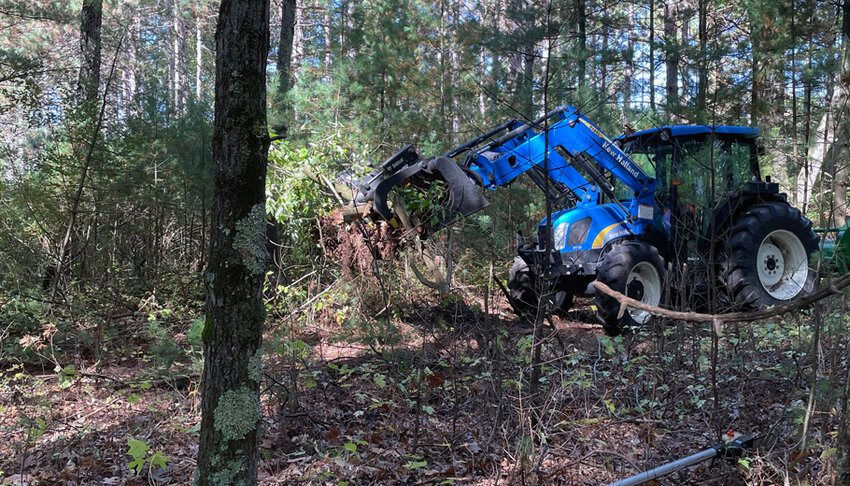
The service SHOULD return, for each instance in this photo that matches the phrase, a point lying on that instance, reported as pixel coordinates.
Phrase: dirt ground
(449, 401)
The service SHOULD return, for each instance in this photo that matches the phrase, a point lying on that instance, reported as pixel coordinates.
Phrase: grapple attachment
(462, 196)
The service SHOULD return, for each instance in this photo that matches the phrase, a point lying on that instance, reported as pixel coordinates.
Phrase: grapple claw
(463, 192)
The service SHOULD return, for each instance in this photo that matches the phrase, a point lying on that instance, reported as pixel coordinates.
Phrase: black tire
(740, 268)
(523, 288)
(615, 268)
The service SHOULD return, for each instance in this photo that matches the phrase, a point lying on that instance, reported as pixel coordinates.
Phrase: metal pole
(667, 468)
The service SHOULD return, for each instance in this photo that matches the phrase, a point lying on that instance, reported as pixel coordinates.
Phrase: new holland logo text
(615, 153)
(621, 159)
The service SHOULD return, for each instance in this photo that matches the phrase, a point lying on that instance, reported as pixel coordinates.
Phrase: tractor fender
(728, 212)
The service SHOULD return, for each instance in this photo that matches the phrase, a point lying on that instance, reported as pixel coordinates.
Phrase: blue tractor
(677, 207)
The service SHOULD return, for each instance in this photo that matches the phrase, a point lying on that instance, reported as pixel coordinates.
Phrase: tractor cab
(700, 170)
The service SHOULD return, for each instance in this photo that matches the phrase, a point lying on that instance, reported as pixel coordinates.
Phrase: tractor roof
(680, 130)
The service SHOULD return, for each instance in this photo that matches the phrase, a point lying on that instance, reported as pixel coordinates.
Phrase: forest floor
(447, 400)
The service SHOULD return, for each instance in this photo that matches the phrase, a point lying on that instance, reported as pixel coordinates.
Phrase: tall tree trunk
(515, 24)
(328, 58)
(652, 55)
(768, 92)
(298, 37)
(603, 66)
(811, 169)
(442, 123)
(756, 84)
(482, 99)
(454, 55)
(686, 13)
(88, 84)
(90, 24)
(128, 76)
(581, 52)
(284, 65)
(671, 55)
(529, 56)
(795, 159)
(199, 57)
(630, 65)
(178, 71)
(232, 335)
(182, 62)
(284, 47)
(95, 118)
(842, 135)
(702, 63)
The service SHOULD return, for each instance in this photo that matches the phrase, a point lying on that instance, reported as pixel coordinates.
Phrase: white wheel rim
(645, 274)
(782, 264)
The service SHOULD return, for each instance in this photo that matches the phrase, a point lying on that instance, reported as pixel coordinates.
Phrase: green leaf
(138, 451)
(380, 381)
(158, 460)
(350, 446)
(138, 448)
(416, 464)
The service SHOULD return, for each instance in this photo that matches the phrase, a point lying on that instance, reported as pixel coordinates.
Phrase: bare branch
(824, 292)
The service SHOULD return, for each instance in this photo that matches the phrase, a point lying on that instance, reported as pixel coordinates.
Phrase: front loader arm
(498, 157)
(583, 145)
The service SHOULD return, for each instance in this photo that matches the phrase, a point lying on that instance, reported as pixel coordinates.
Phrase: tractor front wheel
(523, 288)
(636, 270)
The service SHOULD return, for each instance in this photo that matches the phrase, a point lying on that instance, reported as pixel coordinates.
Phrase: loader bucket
(462, 195)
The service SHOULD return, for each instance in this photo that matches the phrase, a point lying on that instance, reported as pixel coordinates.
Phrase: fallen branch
(827, 291)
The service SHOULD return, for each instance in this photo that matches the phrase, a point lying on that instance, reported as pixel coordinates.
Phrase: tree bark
(232, 335)
(298, 38)
(685, 15)
(281, 113)
(199, 57)
(128, 76)
(630, 65)
(581, 52)
(652, 55)
(284, 47)
(91, 19)
(671, 55)
(811, 169)
(90, 24)
(702, 64)
(842, 136)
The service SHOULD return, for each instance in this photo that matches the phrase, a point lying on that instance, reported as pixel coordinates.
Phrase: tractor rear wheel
(523, 288)
(636, 270)
(767, 257)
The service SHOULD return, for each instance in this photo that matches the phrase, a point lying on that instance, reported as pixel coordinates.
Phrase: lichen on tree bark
(232, 335)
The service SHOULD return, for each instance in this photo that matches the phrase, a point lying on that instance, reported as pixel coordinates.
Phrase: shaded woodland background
(370, 376)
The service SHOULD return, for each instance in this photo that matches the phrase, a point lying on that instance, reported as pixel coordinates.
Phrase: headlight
(560, 239)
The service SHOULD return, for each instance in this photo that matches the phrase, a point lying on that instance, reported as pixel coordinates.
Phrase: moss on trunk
(232, 333)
